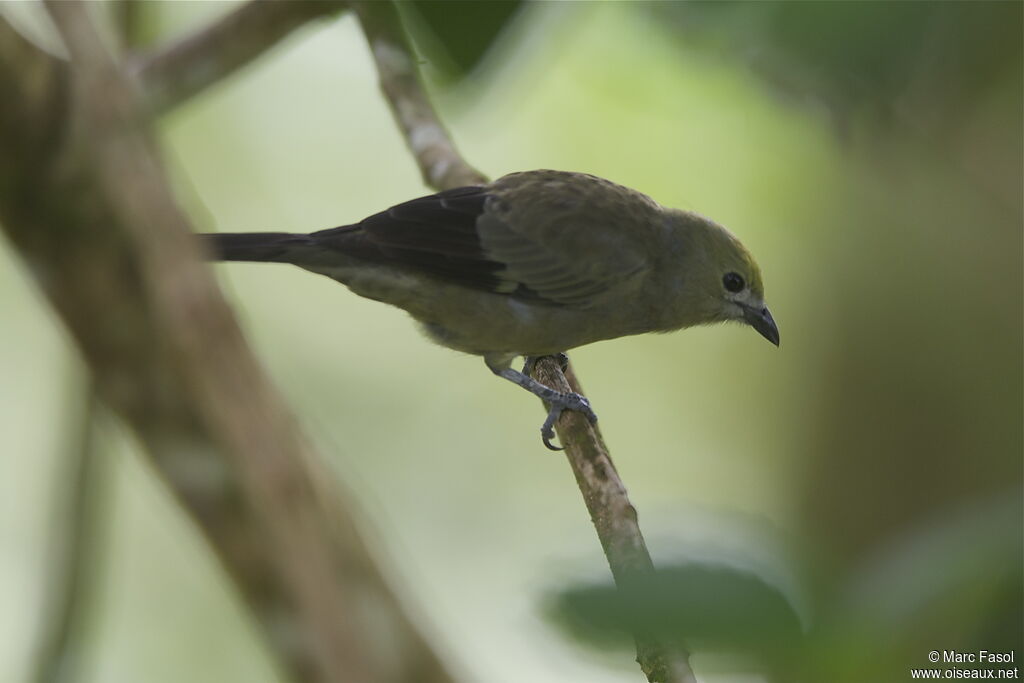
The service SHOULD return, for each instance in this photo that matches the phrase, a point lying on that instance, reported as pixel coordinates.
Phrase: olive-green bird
(532, 264)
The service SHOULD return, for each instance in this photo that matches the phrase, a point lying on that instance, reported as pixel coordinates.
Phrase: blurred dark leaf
(705, 607)
(953, 582)
(891, 58)
(454, 35)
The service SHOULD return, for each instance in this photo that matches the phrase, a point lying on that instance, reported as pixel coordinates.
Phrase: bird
(532, 264)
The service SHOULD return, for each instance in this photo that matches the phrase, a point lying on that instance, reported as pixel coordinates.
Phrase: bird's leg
(556, 400)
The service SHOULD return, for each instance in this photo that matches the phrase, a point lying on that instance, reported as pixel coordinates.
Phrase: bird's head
(730, 281)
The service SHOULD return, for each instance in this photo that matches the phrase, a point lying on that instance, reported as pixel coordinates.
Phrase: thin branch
(615, 519)
(176, 72)
(440, 163)
(442, 167)
(84, 200)
(73, 539)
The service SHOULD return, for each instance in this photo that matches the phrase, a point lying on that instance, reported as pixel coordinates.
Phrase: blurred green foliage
(878, 57)
(455, 35)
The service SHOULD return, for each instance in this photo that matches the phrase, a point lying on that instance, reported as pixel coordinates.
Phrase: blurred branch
(85, 202)
(128, 19)
(604, 493)
(440, 163)
(33, 85)
(73, 538)
(614, 517)
(176, 72)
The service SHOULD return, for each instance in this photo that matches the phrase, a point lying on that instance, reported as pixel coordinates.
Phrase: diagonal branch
(614, 518)
(172, 74)
(604, 493)
(85, 201)
(440, 163)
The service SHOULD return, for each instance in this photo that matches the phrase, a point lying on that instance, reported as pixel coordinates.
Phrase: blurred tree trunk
(84, 200)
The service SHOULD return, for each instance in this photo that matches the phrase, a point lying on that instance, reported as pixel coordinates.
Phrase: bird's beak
(760, 318)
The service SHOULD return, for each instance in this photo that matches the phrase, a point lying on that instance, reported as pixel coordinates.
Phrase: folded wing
(471, 236)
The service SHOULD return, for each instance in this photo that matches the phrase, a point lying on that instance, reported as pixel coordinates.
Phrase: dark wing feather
(435, 235)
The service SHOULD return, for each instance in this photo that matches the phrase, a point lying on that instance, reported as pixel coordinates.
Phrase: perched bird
(532, 264)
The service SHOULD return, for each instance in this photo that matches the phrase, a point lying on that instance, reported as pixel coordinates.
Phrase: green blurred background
(869, 471)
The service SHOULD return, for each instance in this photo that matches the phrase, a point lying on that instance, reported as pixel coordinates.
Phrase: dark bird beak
(761, 320)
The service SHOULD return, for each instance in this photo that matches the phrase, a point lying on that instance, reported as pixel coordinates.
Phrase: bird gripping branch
(532, 264)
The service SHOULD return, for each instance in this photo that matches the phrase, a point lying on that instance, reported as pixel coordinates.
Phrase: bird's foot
(558, 403)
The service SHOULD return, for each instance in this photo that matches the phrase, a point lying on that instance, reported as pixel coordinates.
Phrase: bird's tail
(279, 247)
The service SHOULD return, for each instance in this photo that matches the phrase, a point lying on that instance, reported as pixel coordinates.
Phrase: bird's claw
(571, 401)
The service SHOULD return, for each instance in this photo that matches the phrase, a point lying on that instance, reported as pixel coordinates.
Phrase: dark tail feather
(279, 247)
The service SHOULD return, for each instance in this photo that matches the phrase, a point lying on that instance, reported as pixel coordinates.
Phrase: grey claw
(547, 430)
(566, 402)
(546, 438)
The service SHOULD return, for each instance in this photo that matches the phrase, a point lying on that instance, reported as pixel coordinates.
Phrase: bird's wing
(435, 235)
(468, 237)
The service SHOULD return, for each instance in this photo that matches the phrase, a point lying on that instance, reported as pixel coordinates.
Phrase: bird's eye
(733, 282)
